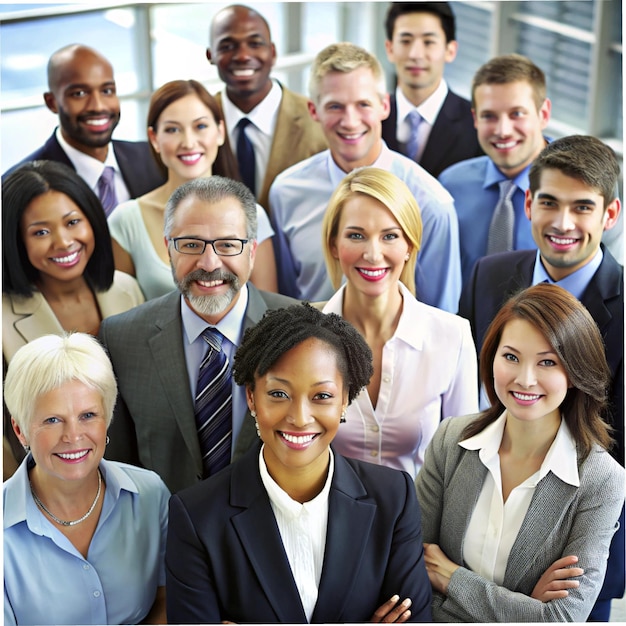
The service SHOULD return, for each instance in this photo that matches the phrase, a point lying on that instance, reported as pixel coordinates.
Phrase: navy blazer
(452, 138)
(225, 558)
(139, 170)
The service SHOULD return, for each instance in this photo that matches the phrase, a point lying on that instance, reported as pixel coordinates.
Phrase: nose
(416, 51)
(96, 101)
(351, 118)
(208, 260)
(504, 126)
(62, 238)
(372, 251)
(526, 376)
(188, 138)
(300, 414)
(242, 53)
(563, 221)
(72, 431)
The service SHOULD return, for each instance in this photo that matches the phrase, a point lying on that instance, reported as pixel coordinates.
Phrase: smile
(73, 456)
(376, 274)
(210, 283)
(562, 241)
(247, 73)
(351, 136)
(298, 441)
(190, 159)
(502, 145)
(526, 397)
(66, 260)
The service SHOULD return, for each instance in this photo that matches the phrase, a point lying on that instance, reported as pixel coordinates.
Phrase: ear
(611, 214)
(544, 112)
(386, 106)
(528, 200)
(250, 398)
(452, 48)
(152, 139)
(273, 48)
(389, 51)
(221, 133)
(474, 118)
(19, 433)
(50, 100)
(313, 110)
(209, 56)
(333, 248)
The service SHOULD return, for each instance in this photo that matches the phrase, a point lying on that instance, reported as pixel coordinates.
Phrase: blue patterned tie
(500, 237)
(412, 145)
(245, 155)
(213, 405)
(106, 190)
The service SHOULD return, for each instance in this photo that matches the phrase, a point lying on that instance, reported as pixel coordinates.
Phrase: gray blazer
(153, 424)
(560, 521)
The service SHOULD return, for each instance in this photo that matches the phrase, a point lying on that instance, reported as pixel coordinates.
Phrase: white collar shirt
(260, 132)
(495, 524)
(303, 532)
(90, 169)
(428, 110)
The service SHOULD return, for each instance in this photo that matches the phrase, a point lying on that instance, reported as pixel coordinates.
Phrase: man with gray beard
(158, 348)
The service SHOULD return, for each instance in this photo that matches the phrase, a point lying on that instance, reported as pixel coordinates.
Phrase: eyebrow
(86, 86)
(197, 119)
(287, 382)
(48, 221)
(361, 228)
(512, 349)
(549, 196)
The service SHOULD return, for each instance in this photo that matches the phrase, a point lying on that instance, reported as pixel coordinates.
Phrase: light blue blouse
(47, 581)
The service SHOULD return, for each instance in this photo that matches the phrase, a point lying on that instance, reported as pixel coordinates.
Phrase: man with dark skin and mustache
(156, 349)
(82, 93)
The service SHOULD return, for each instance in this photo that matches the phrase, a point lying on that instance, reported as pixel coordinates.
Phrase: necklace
(42, 506)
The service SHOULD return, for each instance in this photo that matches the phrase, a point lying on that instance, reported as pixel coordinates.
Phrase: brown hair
(511, 68)
(574, 336)
(225, 163)
(582, 157)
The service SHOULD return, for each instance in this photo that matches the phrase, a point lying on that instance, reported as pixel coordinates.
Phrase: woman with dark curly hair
(293, 532)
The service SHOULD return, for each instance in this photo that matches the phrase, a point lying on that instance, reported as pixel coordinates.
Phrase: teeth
(72, 456)
(189, 158)
(353, 136)
(243, 73)
(525, 396)
(66, 259)
(505, 146)
(372, 273)
(99, 122)
(561, 241)
(300, 440)
(211, 283)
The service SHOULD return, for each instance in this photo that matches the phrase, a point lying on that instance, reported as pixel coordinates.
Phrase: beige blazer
(297, 136)
(25, 319)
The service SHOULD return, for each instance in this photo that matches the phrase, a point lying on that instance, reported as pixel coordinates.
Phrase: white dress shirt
(303, 532)
(90, 169)
(495, 524)
(260, 132)
(428, 110)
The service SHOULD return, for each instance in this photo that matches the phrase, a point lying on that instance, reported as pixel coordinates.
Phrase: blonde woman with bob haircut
(424, 358)
(84, 538)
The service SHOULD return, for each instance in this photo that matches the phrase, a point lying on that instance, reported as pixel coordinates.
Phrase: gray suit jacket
(560, 521)
(153, 424)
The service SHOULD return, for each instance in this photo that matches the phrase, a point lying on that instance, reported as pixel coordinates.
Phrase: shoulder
(138, 317)
(275, 300)
(141, 148)
(599, 470)
(450, 430)
(470, 170)
(502, 263)
(146, 482)
(124, 212)
(293, 100)
(299, 170)
(126, 284)
(423, 184)
(458, 102)
(379, 482)
(436, 320)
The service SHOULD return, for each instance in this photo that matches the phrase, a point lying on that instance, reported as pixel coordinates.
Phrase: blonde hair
(51, 361)
(344, 58)
(390, 191)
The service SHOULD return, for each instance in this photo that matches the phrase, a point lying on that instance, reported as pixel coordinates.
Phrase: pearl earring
(342, 419)
(407, 257)
(256, 424)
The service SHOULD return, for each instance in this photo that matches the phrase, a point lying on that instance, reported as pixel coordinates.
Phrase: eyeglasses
(197, 246)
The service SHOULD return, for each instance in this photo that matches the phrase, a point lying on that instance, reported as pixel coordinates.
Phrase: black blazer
(137, 165)
(496, 277)
(225, 559)
(452, 138)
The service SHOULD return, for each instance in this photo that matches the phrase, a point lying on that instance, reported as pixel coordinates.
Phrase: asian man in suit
(158, 349)
(427, 121)
(82, 92)
(279, 130)
(570, 203)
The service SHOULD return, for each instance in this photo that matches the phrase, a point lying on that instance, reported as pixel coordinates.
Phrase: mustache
(203, 276)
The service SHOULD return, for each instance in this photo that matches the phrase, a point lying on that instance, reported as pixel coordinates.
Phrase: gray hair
(213, 189)
(51, 361)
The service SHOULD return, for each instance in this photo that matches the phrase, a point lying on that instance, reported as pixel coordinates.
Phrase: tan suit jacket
(25, 319)
(297, 136)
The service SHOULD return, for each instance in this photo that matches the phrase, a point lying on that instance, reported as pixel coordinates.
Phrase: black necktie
(245, 155)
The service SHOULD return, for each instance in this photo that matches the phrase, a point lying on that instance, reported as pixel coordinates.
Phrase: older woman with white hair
(84, 538)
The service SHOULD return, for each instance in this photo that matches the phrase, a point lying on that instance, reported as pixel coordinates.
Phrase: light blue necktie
(500, 238)
(412, 145)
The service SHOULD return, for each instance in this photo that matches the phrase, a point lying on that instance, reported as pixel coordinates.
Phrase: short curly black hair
(281, 330)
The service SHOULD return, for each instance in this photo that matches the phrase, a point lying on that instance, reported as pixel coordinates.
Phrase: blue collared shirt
(299, 197)
(577, 282)
(47, 581)
(474, 185)
(231, 326)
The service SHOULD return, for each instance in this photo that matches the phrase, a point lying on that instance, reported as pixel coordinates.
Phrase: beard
(74, 130)
(208, 305)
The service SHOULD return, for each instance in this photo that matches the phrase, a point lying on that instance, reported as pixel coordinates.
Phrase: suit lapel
(605, 285)
(258, 532)
(166, 349)
(348, 517)
(38, 319)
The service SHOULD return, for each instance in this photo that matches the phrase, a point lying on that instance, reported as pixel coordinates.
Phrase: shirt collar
(283, 502)
(264, 114)
(429, 109)
(561, 458)
(336, 174)
(88, 168)
(576, 282)
(230, 325)
(493, 176)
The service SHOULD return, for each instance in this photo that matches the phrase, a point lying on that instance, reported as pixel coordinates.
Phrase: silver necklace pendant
(42, 506)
